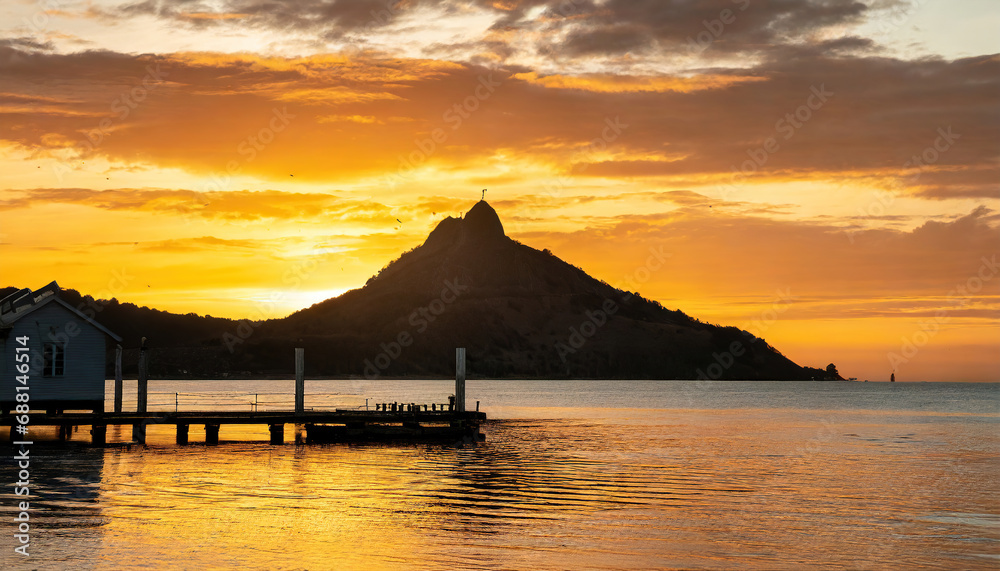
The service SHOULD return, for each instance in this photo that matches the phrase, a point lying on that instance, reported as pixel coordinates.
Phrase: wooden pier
(388, 422)
(410, 422)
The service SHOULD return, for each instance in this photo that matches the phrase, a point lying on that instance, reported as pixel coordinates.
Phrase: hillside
(518, 311)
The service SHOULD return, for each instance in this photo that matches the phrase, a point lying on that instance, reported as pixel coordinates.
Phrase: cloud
(240, 205)
(711, 250)
(337, 117)
(707, 29)
(519, 30)
(209, 244)
(26, 43)
(625, 83)
(317, 16)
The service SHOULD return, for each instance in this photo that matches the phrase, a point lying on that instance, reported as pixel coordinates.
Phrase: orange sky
(229, 160)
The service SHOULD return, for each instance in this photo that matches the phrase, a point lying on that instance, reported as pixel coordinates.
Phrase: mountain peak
(480, 225)
(482, 222)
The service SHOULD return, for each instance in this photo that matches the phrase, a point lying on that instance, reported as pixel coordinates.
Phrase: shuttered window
(54, 355)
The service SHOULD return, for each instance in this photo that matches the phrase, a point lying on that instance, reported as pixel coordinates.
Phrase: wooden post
(460, 379)
(139, 432)
(118, 378)
(143, 382)
(99, 434)
(277, 433)
(211, 434)
(182, 433)
(300, 379)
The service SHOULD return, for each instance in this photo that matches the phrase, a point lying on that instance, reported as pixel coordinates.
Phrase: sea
(573, 475)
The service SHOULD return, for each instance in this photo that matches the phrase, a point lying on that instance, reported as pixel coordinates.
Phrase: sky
(823, 173)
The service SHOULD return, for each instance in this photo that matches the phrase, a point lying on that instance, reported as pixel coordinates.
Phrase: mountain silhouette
(518, 311)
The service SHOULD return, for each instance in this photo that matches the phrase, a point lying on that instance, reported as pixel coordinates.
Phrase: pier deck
(349, 425)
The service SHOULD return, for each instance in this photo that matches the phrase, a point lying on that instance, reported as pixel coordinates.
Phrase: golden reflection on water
(595, 489)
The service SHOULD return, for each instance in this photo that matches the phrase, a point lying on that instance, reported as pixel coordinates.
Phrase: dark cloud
(699, 27)
(584, 27)
(604, 40)
(324, 17)
(926, 127)
(27, 44)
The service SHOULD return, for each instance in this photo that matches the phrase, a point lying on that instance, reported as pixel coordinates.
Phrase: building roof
(23, 302)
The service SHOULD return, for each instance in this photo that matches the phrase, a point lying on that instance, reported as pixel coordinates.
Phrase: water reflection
(65, 502)
(563, 488)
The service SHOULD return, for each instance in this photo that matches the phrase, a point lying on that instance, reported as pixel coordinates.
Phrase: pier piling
(182, 433)
(118, 378)
(143, 381)
(460, 379)
(99, 434)
(300, 379)
(139, 432)
(277, 433)
(211, 434)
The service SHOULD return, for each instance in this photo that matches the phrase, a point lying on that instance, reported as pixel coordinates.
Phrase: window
(54, 358)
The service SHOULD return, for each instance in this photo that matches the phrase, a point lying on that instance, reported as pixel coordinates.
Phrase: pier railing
(146, 401)
(237, 401)
(241, 401)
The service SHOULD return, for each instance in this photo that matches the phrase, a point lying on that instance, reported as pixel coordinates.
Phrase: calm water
(574, 475)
